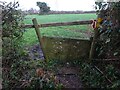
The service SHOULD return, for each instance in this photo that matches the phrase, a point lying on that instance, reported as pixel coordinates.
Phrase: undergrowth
(92, 78)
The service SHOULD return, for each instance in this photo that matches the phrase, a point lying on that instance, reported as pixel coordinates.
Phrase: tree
(32, 11)
(44, 9)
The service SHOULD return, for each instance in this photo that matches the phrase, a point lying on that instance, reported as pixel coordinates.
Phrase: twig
(117, 59)
(103, 74)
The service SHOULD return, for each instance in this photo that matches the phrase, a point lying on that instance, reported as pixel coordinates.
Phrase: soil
(35, 52)
(68, 76)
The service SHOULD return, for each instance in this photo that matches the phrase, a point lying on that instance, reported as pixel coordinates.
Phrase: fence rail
(37, 26)
(59, 24)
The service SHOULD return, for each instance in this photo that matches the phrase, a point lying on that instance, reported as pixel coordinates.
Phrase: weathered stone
(65, 48)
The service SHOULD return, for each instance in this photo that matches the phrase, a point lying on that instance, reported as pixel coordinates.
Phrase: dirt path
(66, 75)
(69, 77)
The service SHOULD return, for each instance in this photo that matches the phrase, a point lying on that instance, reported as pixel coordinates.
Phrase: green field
(76, 31)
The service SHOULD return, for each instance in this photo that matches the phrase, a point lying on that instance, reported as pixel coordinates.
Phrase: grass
(61, 31)
(58, 18)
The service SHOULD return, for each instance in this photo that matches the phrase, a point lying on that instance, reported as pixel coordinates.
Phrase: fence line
(64, 24)
(59, 24)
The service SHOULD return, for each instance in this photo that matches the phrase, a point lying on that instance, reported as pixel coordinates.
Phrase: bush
(11, 48)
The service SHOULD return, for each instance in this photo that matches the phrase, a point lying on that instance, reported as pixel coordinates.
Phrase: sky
(60, 5)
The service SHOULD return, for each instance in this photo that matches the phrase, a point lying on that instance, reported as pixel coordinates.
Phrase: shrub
(11, 48)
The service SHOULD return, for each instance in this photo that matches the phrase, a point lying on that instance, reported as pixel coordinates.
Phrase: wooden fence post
(92, 50)
(38, 35)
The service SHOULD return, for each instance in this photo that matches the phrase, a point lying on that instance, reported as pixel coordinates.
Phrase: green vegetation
(75, 31)
(59, 18)
(11, 46)
(19, 70)
(44, 9)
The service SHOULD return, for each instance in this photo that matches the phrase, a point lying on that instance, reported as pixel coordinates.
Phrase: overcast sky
(65, 5)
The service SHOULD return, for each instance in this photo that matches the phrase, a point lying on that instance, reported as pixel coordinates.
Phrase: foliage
(18, 71)
(12, 32)
(44, 9)
(92, 78)
(11, 37)
(109, 30)
(37, 74)
(106, 75)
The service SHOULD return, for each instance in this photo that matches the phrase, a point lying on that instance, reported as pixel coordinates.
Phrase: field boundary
(59, 24)
(37, 26)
